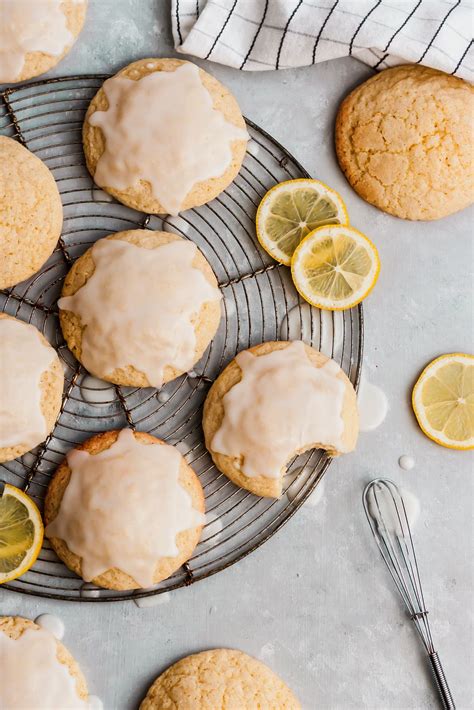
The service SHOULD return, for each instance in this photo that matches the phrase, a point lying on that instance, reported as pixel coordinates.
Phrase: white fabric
(277, 34)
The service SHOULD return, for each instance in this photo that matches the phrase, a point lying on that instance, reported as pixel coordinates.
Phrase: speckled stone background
(315, 602)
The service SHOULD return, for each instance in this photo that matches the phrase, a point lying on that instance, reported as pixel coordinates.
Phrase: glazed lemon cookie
(139, 308)
(403, 140)
(163, 136)
(272, 402)
(35, 36)
(31, 387)
(31, 213)
(124, 510)
(218, 679)
(33, 659)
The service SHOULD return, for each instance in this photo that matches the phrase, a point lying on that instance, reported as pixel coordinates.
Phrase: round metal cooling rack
(260, 303)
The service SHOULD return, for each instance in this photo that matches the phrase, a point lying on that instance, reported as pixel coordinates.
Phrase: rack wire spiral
(260, 303)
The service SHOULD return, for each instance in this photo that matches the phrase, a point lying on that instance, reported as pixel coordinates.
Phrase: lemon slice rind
(419, 408)
(358, 292)
(33, 552)
(264, 210)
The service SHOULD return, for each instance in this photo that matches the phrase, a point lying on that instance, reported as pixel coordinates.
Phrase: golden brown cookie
(141, 197)
(114, 578)
(14, 626)
(205, 324)
(404, 142)
(31, 213)
(51, 384)
(213, 415)
(39, 62)
(221, 679)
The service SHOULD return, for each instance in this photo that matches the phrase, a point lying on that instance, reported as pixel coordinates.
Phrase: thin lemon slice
(21, 533)
(443, 401)
(292, 209)
(335, 267)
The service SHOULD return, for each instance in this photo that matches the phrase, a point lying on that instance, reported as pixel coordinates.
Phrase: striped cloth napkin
(277, 34)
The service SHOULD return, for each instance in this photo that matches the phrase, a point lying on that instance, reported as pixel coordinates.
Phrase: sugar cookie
(124, 510)
(218, 679)
(271, 403)
(404, 142)
(163, 136)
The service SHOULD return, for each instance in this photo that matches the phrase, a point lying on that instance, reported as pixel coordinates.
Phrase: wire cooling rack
(260, 303)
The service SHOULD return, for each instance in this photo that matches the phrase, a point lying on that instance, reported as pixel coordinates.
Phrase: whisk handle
(440, 678)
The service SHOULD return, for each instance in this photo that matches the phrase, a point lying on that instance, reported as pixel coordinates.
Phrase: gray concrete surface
(315, 601)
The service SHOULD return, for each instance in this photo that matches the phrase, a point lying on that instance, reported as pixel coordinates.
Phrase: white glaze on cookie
(32, 676)
(24, 358)
(163, 129)
(30, 26)
(148, 324)
(124, 507)
(281, 405)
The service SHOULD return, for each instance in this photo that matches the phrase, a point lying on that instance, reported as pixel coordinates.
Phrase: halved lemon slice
(443, 400)
(21, 533)
(335, 267)
(292, 209)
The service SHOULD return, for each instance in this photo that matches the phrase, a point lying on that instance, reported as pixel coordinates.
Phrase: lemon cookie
(271, 403)
(403, 140)
(32, 661)
(124, 510)
(218, 679)
(35, 36)
(31, 213)
(163, 136)
(140, 307)
(31, 387)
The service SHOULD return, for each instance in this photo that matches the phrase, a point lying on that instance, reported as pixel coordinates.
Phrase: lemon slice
(335, 267)
(443, 401)
(21, 533)
(292, 209)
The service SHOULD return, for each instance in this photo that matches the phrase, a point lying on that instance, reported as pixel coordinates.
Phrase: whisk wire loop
(388, 520)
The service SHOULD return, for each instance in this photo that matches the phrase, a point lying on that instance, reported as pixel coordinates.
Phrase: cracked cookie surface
(216, 680)
(404, 142)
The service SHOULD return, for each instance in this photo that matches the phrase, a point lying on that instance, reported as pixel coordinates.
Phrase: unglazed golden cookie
(141, 197)
(39, 62)
(205, 324)
(15, 626)
(31, 213)
(404, 142)
(221, 679)
(213, 416)
(114, 578)
(51, 384)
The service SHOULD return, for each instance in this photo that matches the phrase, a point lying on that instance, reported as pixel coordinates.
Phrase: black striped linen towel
(255, 35)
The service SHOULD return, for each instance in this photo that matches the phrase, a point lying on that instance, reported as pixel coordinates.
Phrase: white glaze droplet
(298, 323)
(176, 225)
(212, 530)
(230, 306)
(406, 462)
(155, 600)
(372, 404)
(51, 623)
(95, 703)
(163, 396)
(101, 196)
(267, 652)
(252, 147)
(316, 496)
(95, 391)
(382, 507)
(89, 590)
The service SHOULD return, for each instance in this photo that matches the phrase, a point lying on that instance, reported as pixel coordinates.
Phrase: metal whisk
(388, 520)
